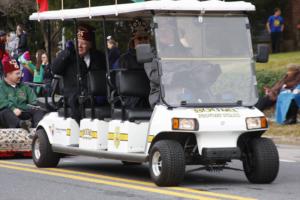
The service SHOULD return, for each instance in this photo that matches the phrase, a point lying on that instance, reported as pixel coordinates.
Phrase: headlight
(256, 122)
(185, 124)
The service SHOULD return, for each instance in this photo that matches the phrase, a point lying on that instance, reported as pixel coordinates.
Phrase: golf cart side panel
(60, 130)
(93, 134)
(127, 137)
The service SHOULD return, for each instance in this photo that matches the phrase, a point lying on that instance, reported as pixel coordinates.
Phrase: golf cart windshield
(205, 60)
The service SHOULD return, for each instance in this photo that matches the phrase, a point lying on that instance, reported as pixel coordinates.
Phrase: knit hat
(9, 65)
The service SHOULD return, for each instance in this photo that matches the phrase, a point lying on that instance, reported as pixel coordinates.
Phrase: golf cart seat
(138, 114)
(133, 83)
(97, 87)
(57, 86)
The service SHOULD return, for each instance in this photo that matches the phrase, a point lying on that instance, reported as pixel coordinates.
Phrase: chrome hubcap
(37, 152)
(156, 163)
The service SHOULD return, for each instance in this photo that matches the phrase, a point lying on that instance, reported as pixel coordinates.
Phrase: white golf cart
(205, 112)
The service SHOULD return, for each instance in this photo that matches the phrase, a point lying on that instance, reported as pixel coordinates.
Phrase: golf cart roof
(144, 9)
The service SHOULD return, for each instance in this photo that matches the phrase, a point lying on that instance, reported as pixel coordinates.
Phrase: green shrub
(267, 78)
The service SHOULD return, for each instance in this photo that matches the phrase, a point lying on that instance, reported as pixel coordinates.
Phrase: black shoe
(25, 124)
(290, 121)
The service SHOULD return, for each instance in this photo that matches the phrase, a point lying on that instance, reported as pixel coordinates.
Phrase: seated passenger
(140, 35)
(289, 81)
(288, 100)
(287, 105)
(66, 65)
(14, 99)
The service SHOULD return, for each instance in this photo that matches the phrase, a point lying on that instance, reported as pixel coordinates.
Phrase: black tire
(172, 167)
(261, 161)
(42, 155)
(126, 163)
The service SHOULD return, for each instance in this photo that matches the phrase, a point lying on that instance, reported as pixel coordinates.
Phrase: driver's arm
(151, 70)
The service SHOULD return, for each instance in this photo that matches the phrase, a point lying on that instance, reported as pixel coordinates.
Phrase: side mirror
(262, 53)
(144, 53)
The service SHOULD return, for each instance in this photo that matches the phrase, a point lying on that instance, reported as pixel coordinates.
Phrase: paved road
(92, 179)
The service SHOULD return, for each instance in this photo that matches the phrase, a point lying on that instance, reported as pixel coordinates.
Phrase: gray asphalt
(21, 185)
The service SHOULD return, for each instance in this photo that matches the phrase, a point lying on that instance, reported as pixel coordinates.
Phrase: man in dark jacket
(14, 99)
(140, 35)
(22, 46)
(65, 65)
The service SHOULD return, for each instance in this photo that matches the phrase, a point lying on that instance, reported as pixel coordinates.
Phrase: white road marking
(289, 161)
(68, 161)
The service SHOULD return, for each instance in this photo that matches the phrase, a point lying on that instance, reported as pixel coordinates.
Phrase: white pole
(62, 8)
(63, 39)
(90, 16)
(38, 10)
(116, 3)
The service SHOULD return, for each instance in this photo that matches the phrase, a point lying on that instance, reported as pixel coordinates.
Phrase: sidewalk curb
(284, 139)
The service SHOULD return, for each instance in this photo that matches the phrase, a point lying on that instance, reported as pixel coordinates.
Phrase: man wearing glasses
(15, 99)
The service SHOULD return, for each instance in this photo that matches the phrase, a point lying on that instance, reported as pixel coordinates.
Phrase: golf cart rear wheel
(261, 163)
(42, 153)
(167, 163)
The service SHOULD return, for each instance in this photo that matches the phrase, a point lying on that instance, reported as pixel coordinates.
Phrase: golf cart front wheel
(42, 153)
(167, 163)
(261, 163)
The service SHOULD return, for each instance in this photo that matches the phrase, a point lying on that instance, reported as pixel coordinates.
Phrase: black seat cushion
(138, 114)
(132, 83)
(97, 83)
(100, 112)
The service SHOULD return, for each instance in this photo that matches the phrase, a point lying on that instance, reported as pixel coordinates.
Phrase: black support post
(49, 40)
